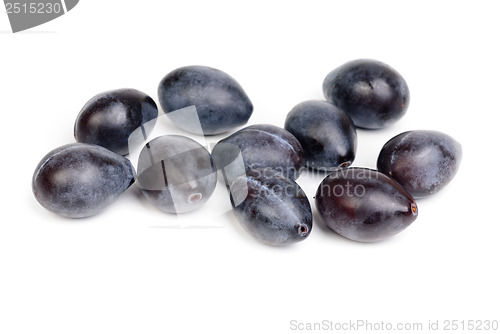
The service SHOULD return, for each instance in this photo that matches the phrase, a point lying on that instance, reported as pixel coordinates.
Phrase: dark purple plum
(176, 174)
(325, 132)
(109, 119)
(80, 180)
(256, 147)
(271, 208)
(422, 161)
(364, 205)
(373, 94)
(204, 100)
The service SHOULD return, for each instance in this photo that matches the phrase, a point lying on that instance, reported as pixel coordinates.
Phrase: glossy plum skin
(109, 119)
(364, 205)
(80, 180)
(373, 94)
(256, 147)
(422, 161)
(271, 208)
(325, 132)
(176, 174)
(220, 101)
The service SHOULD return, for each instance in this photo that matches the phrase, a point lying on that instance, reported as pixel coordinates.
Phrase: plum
(372, 93)
(271, 208)
(79, 180)
(109, 119)
(325, 132)
(256, 147)
(176, 174)
(364, 205)
(204, 100)
(422, 161)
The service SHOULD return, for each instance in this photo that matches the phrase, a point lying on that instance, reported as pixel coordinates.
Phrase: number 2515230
(33, 8)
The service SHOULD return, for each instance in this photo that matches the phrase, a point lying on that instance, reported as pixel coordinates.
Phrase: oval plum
(372, 93)
(325, 132)
(364, 205)
(422, 161)
(271, 207)
(220, 103)
(176, 174)
(109, 119)
(80, 180)
(256, 147)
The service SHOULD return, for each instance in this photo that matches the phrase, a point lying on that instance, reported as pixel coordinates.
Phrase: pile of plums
(259, 163)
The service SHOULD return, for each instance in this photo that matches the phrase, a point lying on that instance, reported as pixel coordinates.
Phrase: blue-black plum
(271, 207)
(176, 174)
(109, 119)
(372, 93)
(364, 205)
(256, 147)
(220, 102)
(325, 132)
(80, 180)
(422, 161)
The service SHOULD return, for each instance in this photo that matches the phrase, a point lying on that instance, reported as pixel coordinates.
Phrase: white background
(134, 269)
